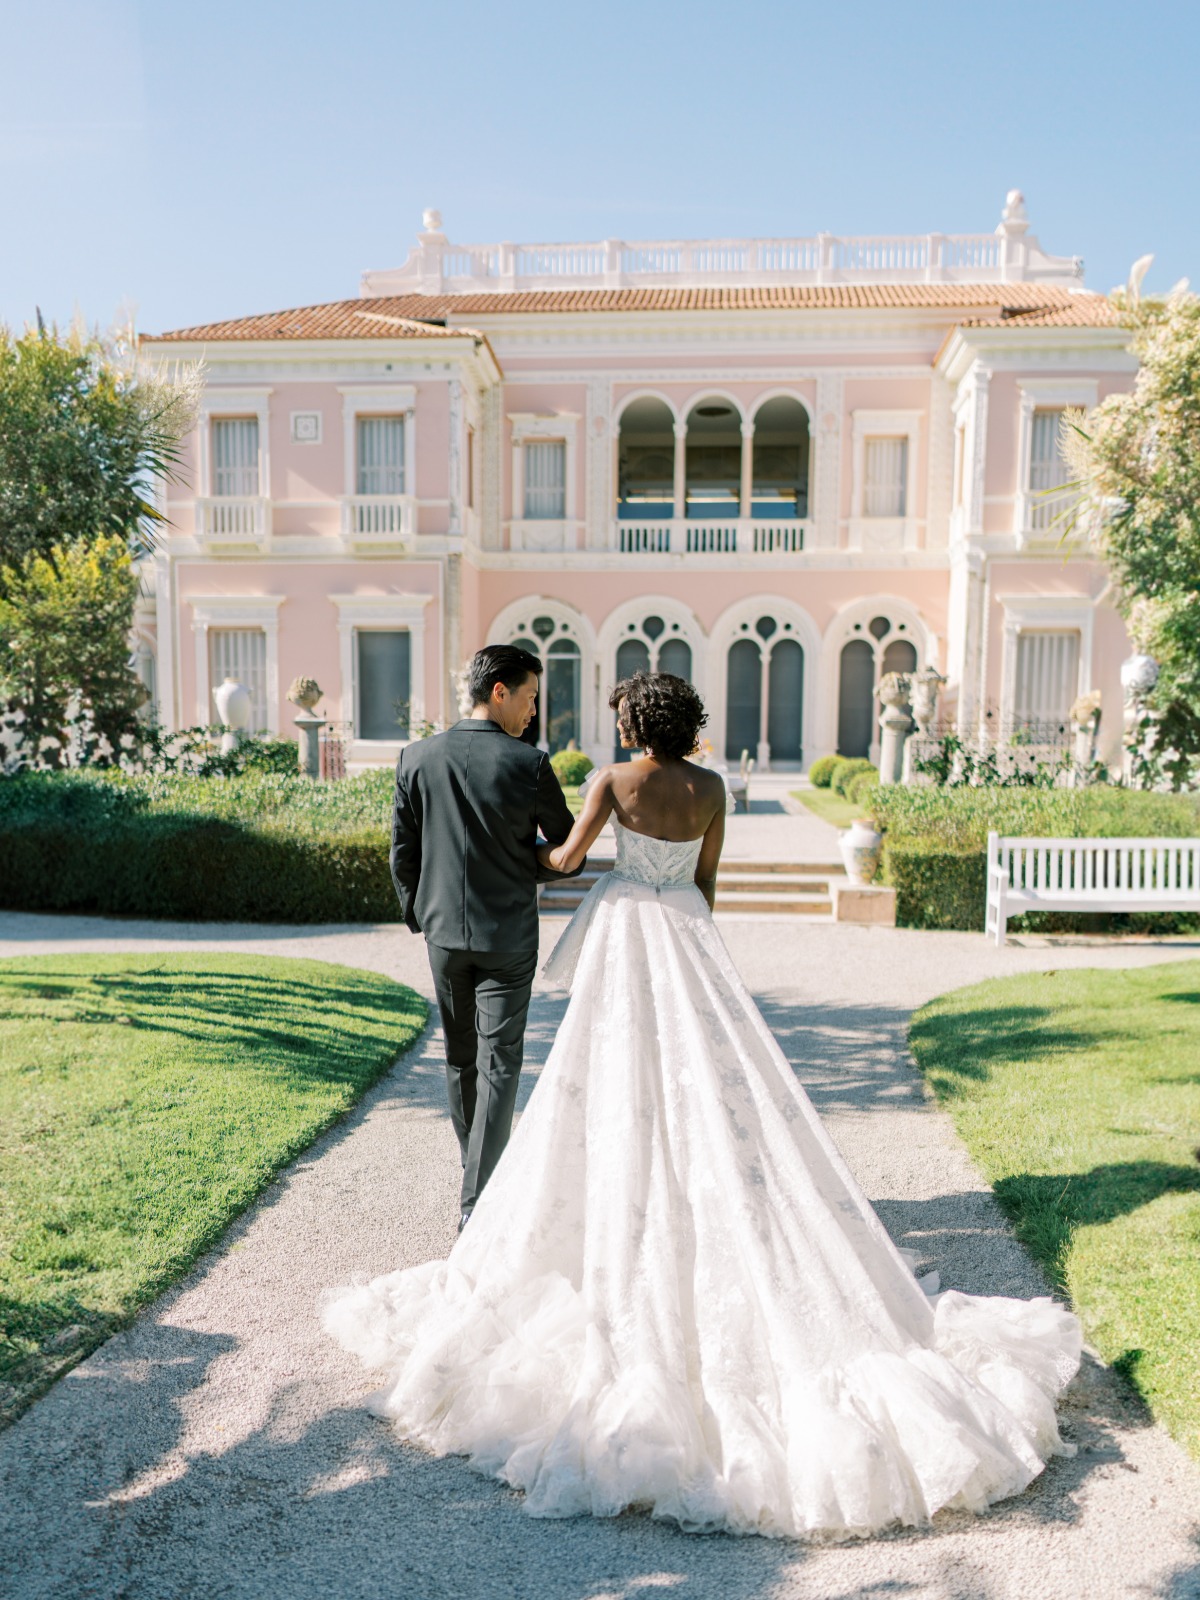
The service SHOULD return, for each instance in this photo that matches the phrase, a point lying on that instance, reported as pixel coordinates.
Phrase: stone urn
(860, 845)
(925, 686)
(233, 707)
(305, 692)
(1139, 674)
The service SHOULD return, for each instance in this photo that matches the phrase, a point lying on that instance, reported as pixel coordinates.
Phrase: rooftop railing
(1009, 255)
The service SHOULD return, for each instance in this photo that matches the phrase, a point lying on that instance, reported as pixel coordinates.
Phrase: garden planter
(860, 845)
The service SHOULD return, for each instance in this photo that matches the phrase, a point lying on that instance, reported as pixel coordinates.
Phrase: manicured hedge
(226, 850)
(820, 774)
(935, 847)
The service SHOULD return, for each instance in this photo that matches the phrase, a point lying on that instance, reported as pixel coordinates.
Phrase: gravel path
(215, 1450)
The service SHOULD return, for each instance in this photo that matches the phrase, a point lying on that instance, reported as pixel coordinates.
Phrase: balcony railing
(1010, 254)
(378, 521)
(234, 519)
(704, 538)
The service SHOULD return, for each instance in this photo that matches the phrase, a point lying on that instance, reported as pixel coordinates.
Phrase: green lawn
(829, 806)
(144, 1102)
(1078, 1093)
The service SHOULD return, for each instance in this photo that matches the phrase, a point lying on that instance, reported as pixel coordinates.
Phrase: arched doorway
(650, 644)
(558, 721)
(646, 461)
(779, 465)
(713, 462)
(764, 692)
(875, 648)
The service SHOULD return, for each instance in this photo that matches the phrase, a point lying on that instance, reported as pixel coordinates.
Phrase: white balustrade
(700, 537)
(1010, 254)
(233, 519)
(378, 518)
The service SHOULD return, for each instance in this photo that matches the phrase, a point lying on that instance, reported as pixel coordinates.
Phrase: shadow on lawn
(964, 1046)
(256, 1015)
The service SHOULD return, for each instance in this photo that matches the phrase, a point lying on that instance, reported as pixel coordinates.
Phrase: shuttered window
(1047, 469)
(384, 682)
(546, 479)
(235, 456)
(1047, 677)
(380, 455)
(885, 477)
(240, 654)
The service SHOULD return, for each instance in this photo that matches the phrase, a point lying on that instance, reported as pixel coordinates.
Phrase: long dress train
(673, 1295)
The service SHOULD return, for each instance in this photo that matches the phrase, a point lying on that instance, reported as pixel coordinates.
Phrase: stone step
(801, 905)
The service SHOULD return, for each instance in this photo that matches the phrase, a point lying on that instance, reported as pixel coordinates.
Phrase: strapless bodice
(660, 863)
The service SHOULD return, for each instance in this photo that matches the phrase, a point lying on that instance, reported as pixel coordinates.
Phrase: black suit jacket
(468, 807)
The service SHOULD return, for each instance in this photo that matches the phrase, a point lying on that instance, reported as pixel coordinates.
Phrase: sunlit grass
(144, 1102)
(1078, 1093)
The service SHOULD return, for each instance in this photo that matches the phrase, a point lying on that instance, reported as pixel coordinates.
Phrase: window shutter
(885, 477)
(1047, 677)
(241, 654)
(546, 479)
(380, 455)
(235, 456)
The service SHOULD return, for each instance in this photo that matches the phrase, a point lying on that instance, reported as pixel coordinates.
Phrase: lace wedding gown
(672, 1293)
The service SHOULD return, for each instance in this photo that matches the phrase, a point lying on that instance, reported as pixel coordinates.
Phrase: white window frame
(400, 613)
(544, 533)
(1041, 394)
(235, 611)
(220, 403)
(367, 401)
(1044, 614)
(884, 533)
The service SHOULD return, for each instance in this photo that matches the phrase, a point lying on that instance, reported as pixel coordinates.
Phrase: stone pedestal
(895, 725)
(872, 903)
(310, 743)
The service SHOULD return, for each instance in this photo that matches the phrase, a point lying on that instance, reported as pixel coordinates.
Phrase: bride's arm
(710, 855)
(597, 808)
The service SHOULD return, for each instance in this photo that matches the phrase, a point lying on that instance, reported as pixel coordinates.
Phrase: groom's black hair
(499, 663)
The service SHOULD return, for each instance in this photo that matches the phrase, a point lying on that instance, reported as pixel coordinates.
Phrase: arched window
(646, 461)
(558, 719)
(874, 649)
(713, 475)
(764, 691)
(650, 644)
(779, 469)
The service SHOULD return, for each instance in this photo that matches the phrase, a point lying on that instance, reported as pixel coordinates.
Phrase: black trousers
(483, 997)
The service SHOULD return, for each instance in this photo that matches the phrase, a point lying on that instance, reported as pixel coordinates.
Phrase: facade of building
(778, 467)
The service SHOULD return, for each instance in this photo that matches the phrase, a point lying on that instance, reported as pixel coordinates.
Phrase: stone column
(894, 726)
(746, 495)
(310, 726)
(679, 510)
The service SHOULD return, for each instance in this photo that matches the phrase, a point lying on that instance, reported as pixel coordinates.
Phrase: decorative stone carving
(924, 687)
(305, 692)
(894, 725)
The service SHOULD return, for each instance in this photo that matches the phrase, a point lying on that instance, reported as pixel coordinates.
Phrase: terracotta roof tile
(416, 316)
(1088, 311)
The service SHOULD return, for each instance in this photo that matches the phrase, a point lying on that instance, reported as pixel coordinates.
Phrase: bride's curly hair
(659, 712)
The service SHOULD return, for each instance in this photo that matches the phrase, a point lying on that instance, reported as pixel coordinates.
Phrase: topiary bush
(861, 786)
(571, 767)
(821, 771)
(848, 768)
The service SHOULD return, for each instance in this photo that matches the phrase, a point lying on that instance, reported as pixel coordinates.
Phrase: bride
(672, 1294)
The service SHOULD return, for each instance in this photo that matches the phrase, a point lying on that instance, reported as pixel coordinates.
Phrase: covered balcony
(714, 484)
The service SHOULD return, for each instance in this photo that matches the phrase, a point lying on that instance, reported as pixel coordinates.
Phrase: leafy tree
(1136, 459)
(84, 430)
(65, 620)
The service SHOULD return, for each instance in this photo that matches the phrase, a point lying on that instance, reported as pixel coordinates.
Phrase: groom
(469, 804)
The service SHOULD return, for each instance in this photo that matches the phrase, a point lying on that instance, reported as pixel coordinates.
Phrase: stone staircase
(802, 888)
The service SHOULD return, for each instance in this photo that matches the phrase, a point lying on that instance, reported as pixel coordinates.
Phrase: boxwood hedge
(935, 846)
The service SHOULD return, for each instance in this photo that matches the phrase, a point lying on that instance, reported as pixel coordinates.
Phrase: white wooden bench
(1089, 875)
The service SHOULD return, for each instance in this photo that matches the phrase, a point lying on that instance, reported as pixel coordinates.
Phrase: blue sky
(210, 160)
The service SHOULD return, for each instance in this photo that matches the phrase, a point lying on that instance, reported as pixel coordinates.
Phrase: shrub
(849, 767)
(821, 771)
(935, 846)
(571, 767)
(861, 785)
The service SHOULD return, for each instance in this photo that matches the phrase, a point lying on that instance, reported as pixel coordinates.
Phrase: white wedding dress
(672, 1293)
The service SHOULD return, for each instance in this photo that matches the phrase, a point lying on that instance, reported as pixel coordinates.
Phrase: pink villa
(780, 467)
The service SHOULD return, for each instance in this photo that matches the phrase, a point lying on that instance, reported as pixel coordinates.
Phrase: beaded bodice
(661, 863)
